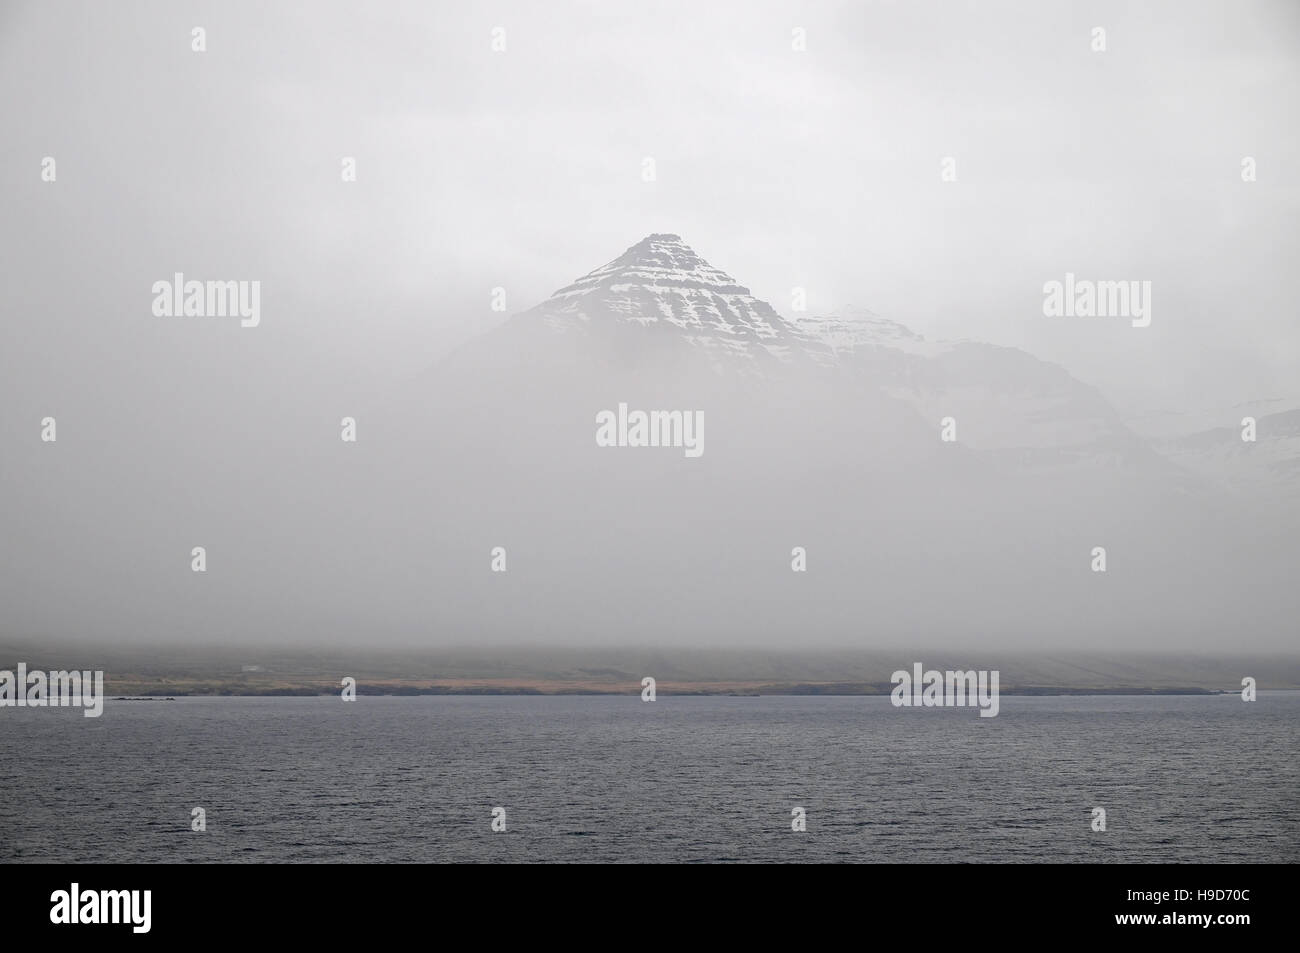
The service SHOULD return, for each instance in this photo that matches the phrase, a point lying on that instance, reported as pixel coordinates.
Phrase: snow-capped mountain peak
(659, 261)
(662, 283)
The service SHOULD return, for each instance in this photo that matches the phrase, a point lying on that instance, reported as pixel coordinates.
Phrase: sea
(682, 779)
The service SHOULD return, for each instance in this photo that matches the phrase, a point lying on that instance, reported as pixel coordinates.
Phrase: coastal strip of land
(169, 671)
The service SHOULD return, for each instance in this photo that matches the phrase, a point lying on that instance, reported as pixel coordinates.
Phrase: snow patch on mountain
(851, 330)
(1002, 398)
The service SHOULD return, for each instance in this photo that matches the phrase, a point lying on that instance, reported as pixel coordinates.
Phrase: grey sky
(817, 169)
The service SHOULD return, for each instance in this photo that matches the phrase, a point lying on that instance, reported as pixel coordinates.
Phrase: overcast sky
(522, 169)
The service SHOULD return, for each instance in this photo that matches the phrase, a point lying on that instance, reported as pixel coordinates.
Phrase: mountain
(820, 438)
(661, 296)
(1208, 442)
(821, 433)
(1006, 403)
(660, 286)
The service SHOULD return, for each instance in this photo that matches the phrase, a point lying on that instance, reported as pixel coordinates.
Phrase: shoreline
(561, 691)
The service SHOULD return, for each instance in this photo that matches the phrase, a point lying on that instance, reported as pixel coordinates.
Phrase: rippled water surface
(1207, 778)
